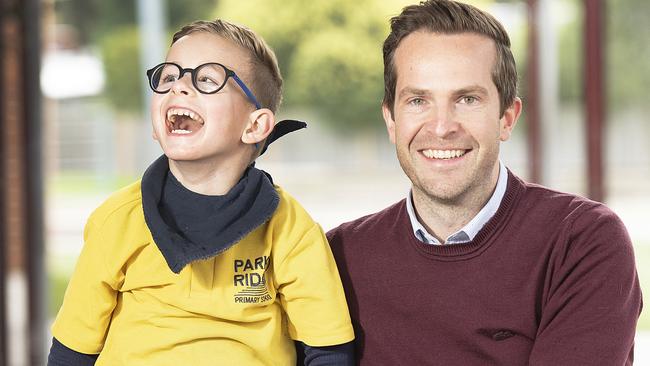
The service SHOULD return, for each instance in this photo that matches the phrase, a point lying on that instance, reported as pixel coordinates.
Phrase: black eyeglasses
(207, 78)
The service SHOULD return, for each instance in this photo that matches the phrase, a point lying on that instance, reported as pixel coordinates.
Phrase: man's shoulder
(557, 202)
(554, 208)
(371, 223)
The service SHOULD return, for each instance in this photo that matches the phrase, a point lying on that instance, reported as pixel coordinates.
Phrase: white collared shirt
(469, 231)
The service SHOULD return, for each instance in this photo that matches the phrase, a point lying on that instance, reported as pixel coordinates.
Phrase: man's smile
(443, 154)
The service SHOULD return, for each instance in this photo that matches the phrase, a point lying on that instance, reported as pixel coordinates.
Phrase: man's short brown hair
(266, 80)
(451, 17)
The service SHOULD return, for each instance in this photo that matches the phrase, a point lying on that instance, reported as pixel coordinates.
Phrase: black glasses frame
(181, 72)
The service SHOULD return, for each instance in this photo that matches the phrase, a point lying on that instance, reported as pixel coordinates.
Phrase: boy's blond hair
(265, 77)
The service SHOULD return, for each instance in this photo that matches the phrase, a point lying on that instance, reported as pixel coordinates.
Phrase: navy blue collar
(188, 226)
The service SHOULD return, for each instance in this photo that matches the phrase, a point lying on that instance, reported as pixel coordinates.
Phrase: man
(476, 266)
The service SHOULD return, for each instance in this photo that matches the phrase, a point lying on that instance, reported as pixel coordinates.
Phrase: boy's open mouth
(181, 121)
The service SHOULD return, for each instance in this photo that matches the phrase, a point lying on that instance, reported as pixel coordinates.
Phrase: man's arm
(592, 300)
(60, 355)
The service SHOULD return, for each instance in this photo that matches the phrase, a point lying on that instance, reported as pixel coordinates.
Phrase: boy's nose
(183, 85)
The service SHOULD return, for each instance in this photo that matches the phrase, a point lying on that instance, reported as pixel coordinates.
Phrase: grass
(642, 253)
(79, 185)
(83, 183)
(58, 282)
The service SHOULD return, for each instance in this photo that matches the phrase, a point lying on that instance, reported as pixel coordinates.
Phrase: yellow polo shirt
(243, 307)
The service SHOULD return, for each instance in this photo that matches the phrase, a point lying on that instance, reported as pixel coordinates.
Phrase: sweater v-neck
(483, 239)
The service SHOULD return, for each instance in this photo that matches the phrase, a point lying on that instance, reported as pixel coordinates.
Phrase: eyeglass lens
(208, 78)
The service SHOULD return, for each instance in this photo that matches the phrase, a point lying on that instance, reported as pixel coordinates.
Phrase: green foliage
(628, 37)
(642, 254)
(570, 63)
(57, 282)
(343, 82)
(329, 53)
(112, 25)
(120, 50)
(627, 70)
(95, 18)
(180, 13)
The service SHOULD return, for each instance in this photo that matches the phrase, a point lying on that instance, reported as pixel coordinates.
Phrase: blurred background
(75, 124)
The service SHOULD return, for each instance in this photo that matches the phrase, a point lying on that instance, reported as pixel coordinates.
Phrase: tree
(626, 54)
(329, 53)
(113, 26)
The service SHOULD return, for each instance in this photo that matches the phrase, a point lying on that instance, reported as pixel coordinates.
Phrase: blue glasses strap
(249, 94)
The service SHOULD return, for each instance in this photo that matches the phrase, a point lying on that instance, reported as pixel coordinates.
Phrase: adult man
(475, 266)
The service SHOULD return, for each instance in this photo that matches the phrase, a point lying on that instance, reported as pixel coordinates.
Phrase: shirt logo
(250, 280)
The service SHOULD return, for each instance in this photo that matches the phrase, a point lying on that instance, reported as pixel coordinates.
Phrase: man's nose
(442, 122)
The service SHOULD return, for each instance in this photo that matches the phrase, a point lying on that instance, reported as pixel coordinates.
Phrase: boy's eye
(169, 78)
(207, 80)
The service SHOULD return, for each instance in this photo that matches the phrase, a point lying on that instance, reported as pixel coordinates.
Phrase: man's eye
(469, 100)
(416, 101)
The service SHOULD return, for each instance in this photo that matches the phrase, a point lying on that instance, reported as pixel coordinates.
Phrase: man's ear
(390, 122)
(509, 119)
(260, 125)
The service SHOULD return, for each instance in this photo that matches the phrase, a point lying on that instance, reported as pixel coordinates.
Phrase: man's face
(191, 126)
(446, 124)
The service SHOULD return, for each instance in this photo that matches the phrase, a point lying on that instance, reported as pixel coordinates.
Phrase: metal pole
(151, 23)
(14, 183)
(532, 96)
(3, 257)
(31, 29)
(594, 95)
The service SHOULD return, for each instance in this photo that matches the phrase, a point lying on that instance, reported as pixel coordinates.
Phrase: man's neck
(207, 177)
(443, 217)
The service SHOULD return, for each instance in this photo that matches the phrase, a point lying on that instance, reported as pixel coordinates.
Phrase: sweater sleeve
(60, 355)
(592, 299)
(339, 355)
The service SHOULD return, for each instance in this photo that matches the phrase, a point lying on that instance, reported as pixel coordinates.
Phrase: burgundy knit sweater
(549, 280)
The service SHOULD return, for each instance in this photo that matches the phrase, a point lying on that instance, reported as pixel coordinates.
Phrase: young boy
(204, 261)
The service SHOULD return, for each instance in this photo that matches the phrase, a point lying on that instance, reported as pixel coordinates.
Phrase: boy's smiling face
(191, 126)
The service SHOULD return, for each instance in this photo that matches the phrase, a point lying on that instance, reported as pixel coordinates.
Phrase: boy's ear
(259, 127)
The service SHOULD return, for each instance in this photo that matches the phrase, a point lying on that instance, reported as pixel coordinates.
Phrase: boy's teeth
(443, 154)
(173, 112)
(181, 132)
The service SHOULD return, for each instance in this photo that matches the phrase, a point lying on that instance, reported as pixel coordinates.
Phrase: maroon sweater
(549, 280)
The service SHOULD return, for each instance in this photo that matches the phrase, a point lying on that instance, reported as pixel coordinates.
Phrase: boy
(204, 261)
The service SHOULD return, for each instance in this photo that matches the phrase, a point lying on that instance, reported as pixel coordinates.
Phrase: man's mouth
(181, 121)
(443, 154)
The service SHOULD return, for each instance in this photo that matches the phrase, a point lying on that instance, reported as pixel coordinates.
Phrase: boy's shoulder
(288, 205)
(120, 203)
(290, 215)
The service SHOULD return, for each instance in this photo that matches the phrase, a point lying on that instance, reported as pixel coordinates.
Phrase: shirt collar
(469, 231)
